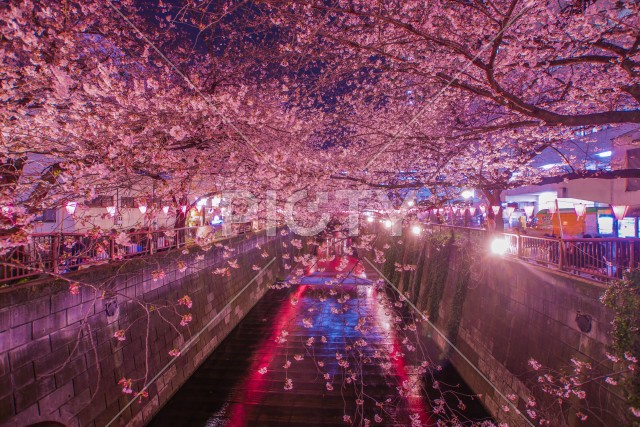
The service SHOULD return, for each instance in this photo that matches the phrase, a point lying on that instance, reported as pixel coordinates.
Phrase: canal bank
(494, 315)
(329, 351)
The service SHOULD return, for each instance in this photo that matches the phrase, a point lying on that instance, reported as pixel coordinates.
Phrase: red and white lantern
(71, 207)
(620, 211)
(528, 210)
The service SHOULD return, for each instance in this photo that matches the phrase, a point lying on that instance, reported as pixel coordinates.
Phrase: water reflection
(335, 349)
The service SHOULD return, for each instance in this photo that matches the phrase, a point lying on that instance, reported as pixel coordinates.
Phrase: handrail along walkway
(600, 259)
(63, 252)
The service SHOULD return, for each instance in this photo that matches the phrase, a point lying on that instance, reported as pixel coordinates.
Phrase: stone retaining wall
(60, 362)
(500, 312)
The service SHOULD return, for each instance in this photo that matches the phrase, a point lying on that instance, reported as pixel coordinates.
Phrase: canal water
(332, 350)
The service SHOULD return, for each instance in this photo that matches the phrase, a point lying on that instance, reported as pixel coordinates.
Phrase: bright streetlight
(499, 246)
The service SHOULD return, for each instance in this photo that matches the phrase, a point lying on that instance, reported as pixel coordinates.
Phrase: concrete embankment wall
(60, 362)
(499, 313)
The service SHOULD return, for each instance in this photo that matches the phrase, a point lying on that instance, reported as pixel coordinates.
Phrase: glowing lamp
(472, 210)
(111, 210)
(580, 208)
(71, 207)
(416, 229)
(183, 208)
(467, 194)
(143, 209)
(528, 211)
(411, 203)
(441, 211)
(369, 219)
(620, 211)
(495, 209)
(499, 246)
(509, 211)
(165, 209)
(387, 223)
(215, 201)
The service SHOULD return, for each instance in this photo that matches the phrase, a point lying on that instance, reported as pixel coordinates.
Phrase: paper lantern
(71, 207)
(143, 209)
(165, 209)
(620, 211)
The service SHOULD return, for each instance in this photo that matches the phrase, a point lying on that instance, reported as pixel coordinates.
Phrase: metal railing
(65, 252)
(601, 259)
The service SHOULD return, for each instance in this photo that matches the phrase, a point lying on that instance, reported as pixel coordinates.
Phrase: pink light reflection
(255, 386)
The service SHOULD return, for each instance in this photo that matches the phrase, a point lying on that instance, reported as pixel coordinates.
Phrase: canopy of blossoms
(191, 98)
(183, 99)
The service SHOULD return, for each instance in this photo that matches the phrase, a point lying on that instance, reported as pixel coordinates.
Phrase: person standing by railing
(145, 242)
(553, 250)
(160, 239)
(77, 250)
(101, 255)
(522, 223)
(491, 222)
(114, 248)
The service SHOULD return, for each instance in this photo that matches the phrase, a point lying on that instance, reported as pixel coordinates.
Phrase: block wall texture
(59, 361)
(509, 311)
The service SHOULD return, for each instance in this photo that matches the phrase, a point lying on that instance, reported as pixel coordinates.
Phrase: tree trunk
(493, 197)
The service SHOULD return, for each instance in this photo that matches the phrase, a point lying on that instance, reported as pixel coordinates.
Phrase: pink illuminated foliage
(301, 95)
